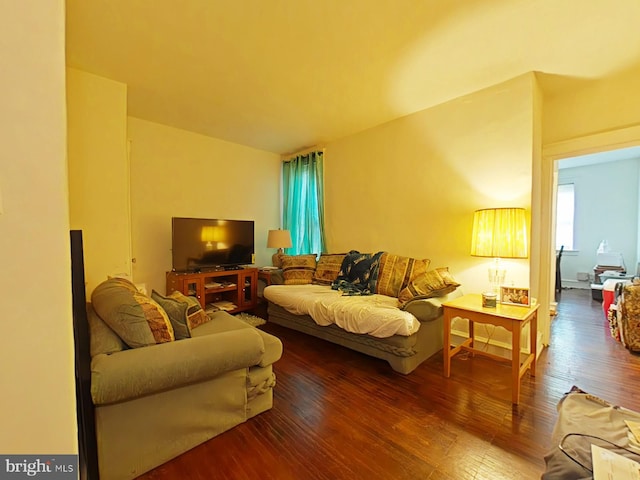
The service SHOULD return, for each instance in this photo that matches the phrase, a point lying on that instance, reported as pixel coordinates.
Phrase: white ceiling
(282, 75)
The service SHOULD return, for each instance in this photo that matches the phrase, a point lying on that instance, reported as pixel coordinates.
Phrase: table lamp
(499, 233)
(279, 239)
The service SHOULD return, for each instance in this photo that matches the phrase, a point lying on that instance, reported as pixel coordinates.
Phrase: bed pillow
(298, 269)
(396, 272)
(434, 283)
(137, 319)
(328, 268)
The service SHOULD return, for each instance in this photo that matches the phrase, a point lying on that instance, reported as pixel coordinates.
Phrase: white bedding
(375, 315)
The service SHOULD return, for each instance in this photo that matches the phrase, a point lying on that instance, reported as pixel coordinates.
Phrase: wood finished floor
(339, 414)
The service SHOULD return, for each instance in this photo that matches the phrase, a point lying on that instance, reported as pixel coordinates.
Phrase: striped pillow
(328, 268)
(396, 272)
(434, 283)
(298, 269)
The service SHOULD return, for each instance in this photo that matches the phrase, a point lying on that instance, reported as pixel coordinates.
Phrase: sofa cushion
(298, 269)
(224, 322)
(177, 313)
(397, 271)
(137, 319)
(328, 268)
(196, 316)
(434, 283)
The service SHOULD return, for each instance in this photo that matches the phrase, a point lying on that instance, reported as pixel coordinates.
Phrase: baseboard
(502, 349)
(576, 284)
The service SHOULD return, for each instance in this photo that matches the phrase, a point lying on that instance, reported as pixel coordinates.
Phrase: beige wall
(585, 107)
(37, 403)
(99, 173)
(580, 116)
(411, 186)
(183, 174)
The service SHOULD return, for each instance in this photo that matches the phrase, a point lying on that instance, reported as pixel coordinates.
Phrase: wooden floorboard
(339, 414)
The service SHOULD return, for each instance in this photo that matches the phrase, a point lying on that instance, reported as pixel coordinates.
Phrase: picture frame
(515, 296)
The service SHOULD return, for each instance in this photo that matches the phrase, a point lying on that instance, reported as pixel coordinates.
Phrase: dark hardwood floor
(339, 414)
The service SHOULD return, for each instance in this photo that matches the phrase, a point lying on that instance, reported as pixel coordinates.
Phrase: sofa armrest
(427, 309)
(142, 371)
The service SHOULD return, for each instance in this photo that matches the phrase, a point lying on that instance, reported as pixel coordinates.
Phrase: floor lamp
(499, 233)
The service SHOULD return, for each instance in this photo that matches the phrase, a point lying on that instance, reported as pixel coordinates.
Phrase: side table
(511, 317)
(266, 274)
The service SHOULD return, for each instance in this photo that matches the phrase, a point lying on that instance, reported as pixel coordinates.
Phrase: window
(565, 213)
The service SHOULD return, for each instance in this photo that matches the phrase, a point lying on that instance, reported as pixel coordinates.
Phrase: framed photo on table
(515, 296)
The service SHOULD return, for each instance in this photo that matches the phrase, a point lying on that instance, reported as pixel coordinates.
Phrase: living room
(419, 178)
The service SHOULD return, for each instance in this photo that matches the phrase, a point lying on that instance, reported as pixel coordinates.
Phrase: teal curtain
(303, 203)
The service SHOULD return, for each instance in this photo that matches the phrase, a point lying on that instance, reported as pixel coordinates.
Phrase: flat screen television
(199, 244)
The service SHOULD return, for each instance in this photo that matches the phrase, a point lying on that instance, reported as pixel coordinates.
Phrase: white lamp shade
(499, 233)
(279, 239)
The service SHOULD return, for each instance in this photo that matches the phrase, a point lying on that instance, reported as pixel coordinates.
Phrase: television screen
(200, 243)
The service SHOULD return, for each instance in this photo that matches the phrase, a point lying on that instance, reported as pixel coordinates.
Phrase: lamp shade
(499, 233)
(279, 239)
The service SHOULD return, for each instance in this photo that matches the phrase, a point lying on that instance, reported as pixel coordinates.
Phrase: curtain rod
(304, 151)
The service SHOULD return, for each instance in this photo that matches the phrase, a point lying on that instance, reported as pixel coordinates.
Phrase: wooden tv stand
(230, 290)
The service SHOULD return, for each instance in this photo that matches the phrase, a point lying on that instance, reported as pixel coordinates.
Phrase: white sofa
(392, 324)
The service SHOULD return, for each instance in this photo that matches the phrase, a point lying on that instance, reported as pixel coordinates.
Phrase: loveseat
(384, 305)
(165, 376)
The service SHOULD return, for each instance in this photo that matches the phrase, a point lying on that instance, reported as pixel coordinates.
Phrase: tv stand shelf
(230, 290)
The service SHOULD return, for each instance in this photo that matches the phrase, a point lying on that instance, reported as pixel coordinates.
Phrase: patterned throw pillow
(298, 269)
(137, 319)
(328, 268)
(434, 283)
(397, 271)
(196, 316)
(177, 313)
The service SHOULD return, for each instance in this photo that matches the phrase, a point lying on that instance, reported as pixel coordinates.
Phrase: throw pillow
(328, 268)
(434, 283)
(358, 273)
(137, 319)
(196, 316)
(397, 271)
(101, 338)
(298, 269)
(177, 313)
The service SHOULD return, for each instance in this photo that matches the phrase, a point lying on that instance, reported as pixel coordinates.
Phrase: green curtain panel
(303, 203)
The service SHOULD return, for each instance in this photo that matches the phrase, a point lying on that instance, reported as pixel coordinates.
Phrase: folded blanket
(358, 274)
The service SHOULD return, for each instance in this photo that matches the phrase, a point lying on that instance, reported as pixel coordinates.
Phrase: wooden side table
(511, 317)
(265, 275)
